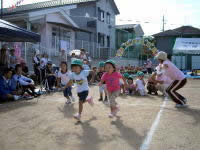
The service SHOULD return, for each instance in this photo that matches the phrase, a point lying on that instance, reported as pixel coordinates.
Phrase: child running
(62, 79)
(140, 84)
(103, 87)
(80, 77)
(112, 78)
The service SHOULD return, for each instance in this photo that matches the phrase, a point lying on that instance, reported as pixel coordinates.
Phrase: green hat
(126, 75)
(130, 77)
(101, 64)
(77, 62)
(139, 73)
(110, 62)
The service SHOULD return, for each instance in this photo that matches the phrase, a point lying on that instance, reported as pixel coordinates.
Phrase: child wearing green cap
(79, 75)
(140, 84)
(112, 80)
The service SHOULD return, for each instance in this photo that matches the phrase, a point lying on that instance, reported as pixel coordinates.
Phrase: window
(108, 41)
(101, 39)
(101, 16)
(108, 18)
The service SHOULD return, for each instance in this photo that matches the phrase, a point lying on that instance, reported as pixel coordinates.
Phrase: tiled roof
(47, 4)
(126, 26)
(181, 31)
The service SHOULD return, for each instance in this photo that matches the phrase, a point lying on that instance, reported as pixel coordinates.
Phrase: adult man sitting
(7, 90)
(25, 83)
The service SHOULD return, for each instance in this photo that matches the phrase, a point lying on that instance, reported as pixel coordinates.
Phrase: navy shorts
(83, 95)
(67, 92)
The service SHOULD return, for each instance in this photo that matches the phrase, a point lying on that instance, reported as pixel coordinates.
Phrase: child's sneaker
(106, 99)
(90, 101)
(68, 101)
(100, 99)
(110, 115)
(73, 99)
(116, 110)
(77, 116)
(17, 97)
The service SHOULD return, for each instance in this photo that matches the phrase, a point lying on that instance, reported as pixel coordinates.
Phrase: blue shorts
(67, 92)
(83, 95)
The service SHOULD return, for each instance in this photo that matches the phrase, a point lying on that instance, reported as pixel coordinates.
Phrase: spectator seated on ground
(50, 75)
(7, 90)
(151, 84)
(26, 84)
(25, 71)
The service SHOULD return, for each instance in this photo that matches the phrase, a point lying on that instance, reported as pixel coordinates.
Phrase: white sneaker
(17, 97)
(110, 115)
(166, 98)
(77, 116)
(72, 98)
(90, 101)
(181, 105)
(68, 101)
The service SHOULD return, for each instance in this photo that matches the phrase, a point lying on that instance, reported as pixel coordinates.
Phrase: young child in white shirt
(62, 79)
(79, 75)
(140, 84)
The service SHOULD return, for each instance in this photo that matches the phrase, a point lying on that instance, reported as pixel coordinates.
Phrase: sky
(149, 13)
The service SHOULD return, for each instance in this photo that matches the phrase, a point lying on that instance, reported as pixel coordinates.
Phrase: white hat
(37, 52)
(161, 55)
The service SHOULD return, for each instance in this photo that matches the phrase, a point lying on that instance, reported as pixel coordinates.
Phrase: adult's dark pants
(172, 91)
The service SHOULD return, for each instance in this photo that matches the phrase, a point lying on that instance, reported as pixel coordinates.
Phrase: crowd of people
(111, 78)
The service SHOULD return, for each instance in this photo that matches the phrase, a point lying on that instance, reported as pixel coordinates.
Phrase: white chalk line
(147, 141)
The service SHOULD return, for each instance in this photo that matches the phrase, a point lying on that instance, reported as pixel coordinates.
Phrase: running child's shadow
(89, 138)
(128, 134)
(67, 110)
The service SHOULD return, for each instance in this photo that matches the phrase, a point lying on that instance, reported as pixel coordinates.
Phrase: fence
(94, 49)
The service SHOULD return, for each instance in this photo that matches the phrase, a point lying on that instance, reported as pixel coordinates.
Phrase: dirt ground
(48, 124)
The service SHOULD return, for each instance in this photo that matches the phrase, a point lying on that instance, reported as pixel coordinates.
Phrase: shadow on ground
(128, 134)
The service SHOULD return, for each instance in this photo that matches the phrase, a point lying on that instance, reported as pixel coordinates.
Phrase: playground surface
(143, 123)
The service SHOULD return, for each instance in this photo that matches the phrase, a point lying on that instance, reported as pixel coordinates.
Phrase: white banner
(187, 45)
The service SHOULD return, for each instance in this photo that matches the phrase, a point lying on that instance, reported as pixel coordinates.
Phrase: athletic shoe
(110, 115)
(106, 99)
(72, 98)
(77, 116)
(185, 100)
(166, 98)
(100, 99)
(17, 97)
(90, 101)
(68, 101)
(116, 110)
(181, 105)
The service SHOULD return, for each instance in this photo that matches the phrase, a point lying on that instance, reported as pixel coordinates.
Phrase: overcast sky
(149, 13)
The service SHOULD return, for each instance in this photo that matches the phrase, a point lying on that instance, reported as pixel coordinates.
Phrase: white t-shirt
(81, 80)
(65, 77)
(172, 71)
(86, 67)
(140, 85)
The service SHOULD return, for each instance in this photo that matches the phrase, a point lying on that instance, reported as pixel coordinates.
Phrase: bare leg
(80, 107)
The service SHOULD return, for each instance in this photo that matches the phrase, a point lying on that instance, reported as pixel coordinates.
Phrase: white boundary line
(146, 143)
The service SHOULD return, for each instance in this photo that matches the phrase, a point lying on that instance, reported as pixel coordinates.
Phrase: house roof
(126, 26)
(181, 31)
(48, 4)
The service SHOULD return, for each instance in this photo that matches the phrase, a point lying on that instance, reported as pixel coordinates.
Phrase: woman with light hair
(177, 77)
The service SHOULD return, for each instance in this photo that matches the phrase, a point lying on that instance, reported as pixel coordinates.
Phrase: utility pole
(163, 20)
(1, 9)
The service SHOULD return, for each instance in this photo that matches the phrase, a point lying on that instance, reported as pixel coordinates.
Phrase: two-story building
(68, 25)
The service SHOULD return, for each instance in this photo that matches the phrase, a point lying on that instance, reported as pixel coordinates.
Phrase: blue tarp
(13, 33)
